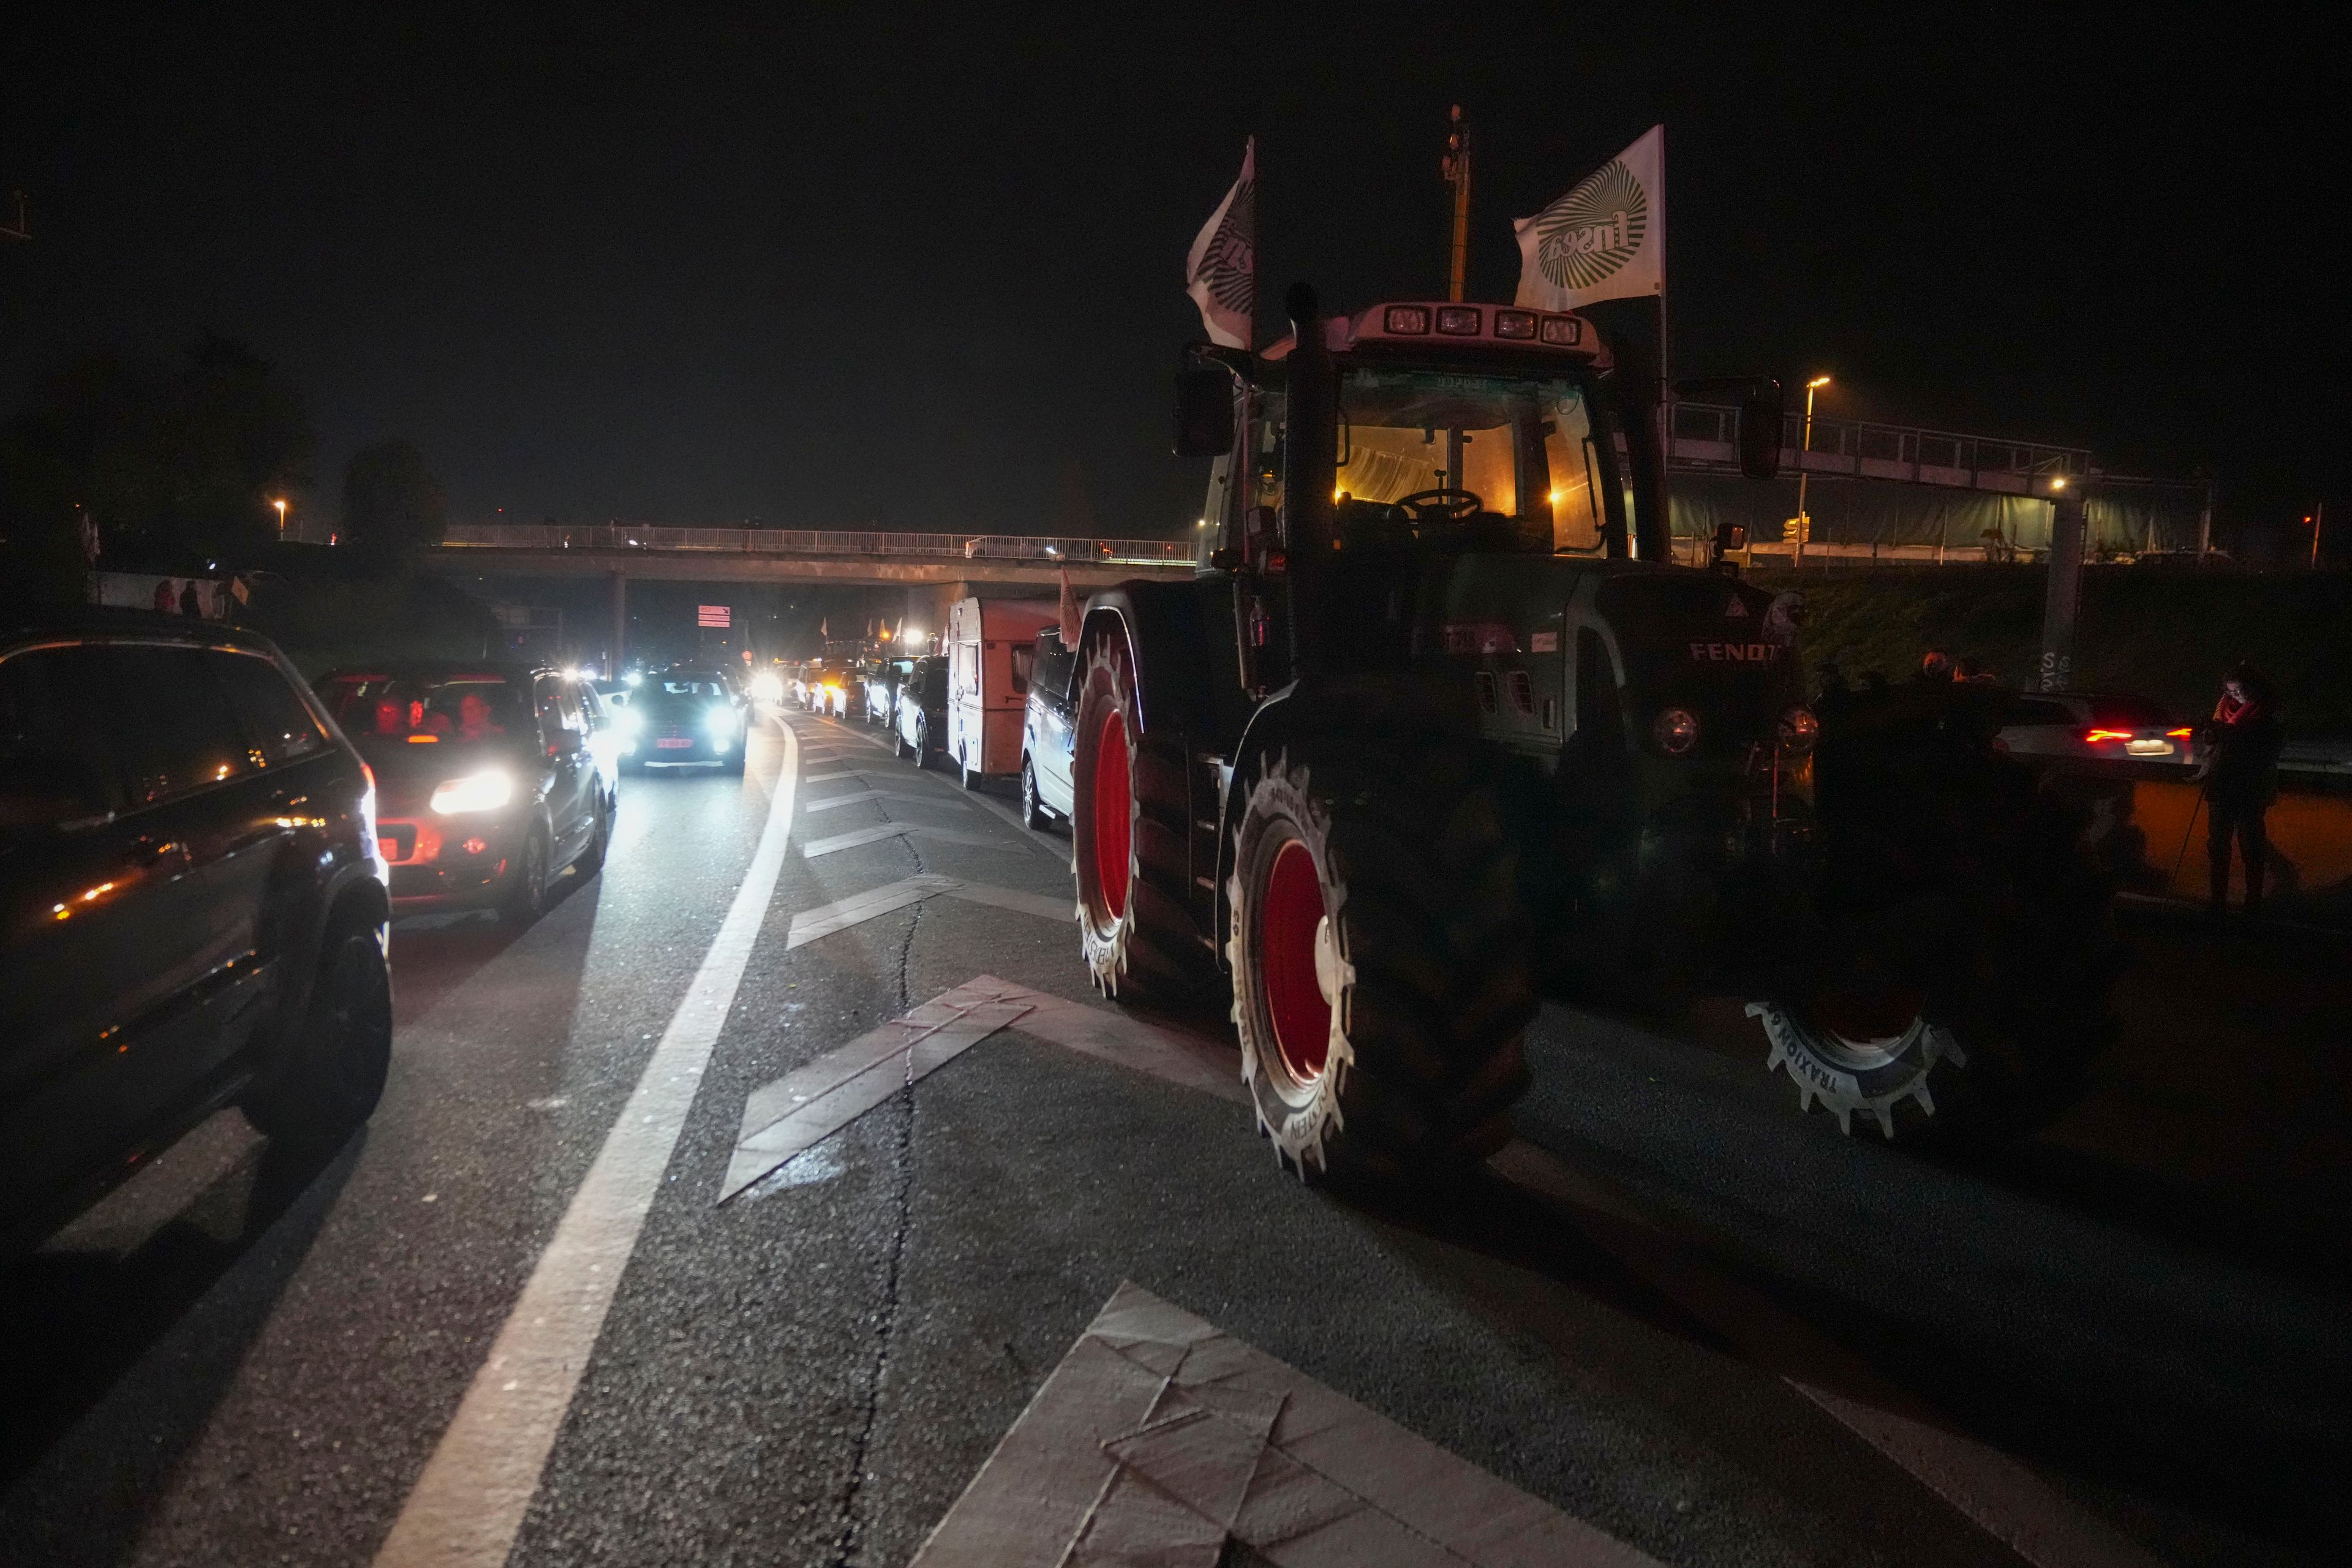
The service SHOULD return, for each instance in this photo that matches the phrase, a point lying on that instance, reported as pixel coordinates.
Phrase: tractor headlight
(1676, 730)
(485, 791)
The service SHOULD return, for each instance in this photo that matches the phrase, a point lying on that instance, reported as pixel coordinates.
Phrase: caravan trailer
(989, 645)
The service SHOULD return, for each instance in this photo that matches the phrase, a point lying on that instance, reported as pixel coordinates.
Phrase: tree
(393, 506)
(175, 459)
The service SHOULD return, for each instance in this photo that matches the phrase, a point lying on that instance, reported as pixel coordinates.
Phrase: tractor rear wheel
(1382, 982)
(1978, 998)
(1128, 843)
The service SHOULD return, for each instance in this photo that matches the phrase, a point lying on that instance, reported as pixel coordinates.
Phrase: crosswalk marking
(1161, 1439)
(852, 839)
(809, 1104)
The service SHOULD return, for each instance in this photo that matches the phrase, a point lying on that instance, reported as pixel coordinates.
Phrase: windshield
(451, 709)
(679, 683)
(1526, 446)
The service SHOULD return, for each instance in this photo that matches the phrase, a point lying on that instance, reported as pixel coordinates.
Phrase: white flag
(1221, 273)
(1606, 239)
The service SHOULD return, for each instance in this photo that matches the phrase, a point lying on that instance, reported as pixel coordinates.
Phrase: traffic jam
(1476, 998)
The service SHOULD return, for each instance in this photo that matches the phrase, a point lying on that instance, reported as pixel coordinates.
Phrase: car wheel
(1033, 814)
(600, 839)
(922, 746)
(332, 1065)
(525, 898)
(897, 743)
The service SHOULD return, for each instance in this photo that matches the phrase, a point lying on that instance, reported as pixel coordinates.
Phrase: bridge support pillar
(620, 623)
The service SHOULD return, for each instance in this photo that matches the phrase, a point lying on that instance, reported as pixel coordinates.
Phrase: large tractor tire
(1382, 981)
(1958, 979)
(1128, 844)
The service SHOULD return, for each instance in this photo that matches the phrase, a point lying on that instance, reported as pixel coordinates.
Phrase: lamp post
(1804, 518)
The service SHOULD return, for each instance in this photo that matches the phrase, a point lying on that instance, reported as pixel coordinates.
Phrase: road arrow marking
(811, 1103)
(1161, 1439)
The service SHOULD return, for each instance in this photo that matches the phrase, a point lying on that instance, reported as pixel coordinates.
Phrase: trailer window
(1024, 658)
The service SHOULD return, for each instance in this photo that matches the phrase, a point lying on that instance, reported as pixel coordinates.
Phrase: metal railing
(622, 536)
(1707, 435)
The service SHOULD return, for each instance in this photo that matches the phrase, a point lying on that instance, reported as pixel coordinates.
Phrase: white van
(989, 645)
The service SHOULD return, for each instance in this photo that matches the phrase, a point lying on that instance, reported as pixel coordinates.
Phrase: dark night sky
(829, 266)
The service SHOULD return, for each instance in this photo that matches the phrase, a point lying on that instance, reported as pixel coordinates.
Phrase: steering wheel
(1425, 507)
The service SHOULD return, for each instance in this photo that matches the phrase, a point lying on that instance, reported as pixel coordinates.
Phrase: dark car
(493, 777)
(2096, 728)
(195, 910)
(1048, 731)
(919, 725)
(682, 717)
(881, 696)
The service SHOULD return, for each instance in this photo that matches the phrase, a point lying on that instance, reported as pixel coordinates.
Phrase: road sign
(711, 615)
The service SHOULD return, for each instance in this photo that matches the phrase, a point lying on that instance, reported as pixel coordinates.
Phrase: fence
(1709, 434)
(820, 541)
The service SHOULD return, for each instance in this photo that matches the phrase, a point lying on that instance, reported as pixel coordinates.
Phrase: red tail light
(2106, 735)
(2178, 734)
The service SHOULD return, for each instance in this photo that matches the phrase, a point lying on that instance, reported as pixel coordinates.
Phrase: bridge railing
(819, 541)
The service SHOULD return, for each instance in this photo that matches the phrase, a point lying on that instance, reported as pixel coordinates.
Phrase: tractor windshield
(1526, 447)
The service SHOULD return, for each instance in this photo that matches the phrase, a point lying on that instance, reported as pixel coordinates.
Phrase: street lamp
(1804, 518)
(280, 505)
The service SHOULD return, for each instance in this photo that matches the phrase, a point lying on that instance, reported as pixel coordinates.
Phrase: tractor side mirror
(1204, 411)
(1760, 414)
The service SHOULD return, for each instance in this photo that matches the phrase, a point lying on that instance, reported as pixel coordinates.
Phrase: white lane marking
(843, 913)
(849, 773)
(1160, 1439)
(1996, 1493)
(831, 801)
(811, 1103)
(470, 1500)
(1044, 844)
(856, 836)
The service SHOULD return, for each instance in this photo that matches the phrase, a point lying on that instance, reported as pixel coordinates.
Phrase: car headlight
(720, 721)
(485, 791)
(1675, 730)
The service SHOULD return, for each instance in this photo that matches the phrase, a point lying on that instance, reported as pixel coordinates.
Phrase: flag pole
(1665, 378)
(1457, 175)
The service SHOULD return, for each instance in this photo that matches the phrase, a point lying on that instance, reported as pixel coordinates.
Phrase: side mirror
(1730, 536)
(1760, 414)
(1204, 411)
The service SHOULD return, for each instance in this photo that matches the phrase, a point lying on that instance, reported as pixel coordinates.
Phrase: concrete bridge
(933, 568)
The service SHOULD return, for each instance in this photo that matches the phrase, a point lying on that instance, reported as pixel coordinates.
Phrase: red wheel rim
(1287, 929)
(1113, 808)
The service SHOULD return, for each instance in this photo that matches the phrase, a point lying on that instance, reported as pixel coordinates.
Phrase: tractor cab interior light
(1460, 320)
(1406, 321)
(1518, 324)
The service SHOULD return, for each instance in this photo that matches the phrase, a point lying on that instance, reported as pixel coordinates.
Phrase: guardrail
(820, 541)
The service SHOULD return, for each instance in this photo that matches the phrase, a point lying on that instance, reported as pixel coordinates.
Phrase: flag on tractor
(1221, 272)
(1606, 239)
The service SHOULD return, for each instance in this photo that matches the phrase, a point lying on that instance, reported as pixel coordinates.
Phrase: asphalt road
(1679, 1312)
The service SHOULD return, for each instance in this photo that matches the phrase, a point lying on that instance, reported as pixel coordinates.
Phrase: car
(919, 721)
(496, 778)
(197, 915)
(685, 716)
(1048, 733)
(2096, 727)
(823, 686)
(881, 694)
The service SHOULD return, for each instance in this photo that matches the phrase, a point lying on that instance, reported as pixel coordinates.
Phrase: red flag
(1069, 611)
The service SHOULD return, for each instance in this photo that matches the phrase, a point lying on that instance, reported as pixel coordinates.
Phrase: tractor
(1440, 727)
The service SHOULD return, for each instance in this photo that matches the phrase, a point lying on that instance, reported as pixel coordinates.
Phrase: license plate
(2148, 748)
(674, 745)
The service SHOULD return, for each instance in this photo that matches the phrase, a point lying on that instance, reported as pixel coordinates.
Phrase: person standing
(191, 604)
(166, 597)
(2240, 778)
